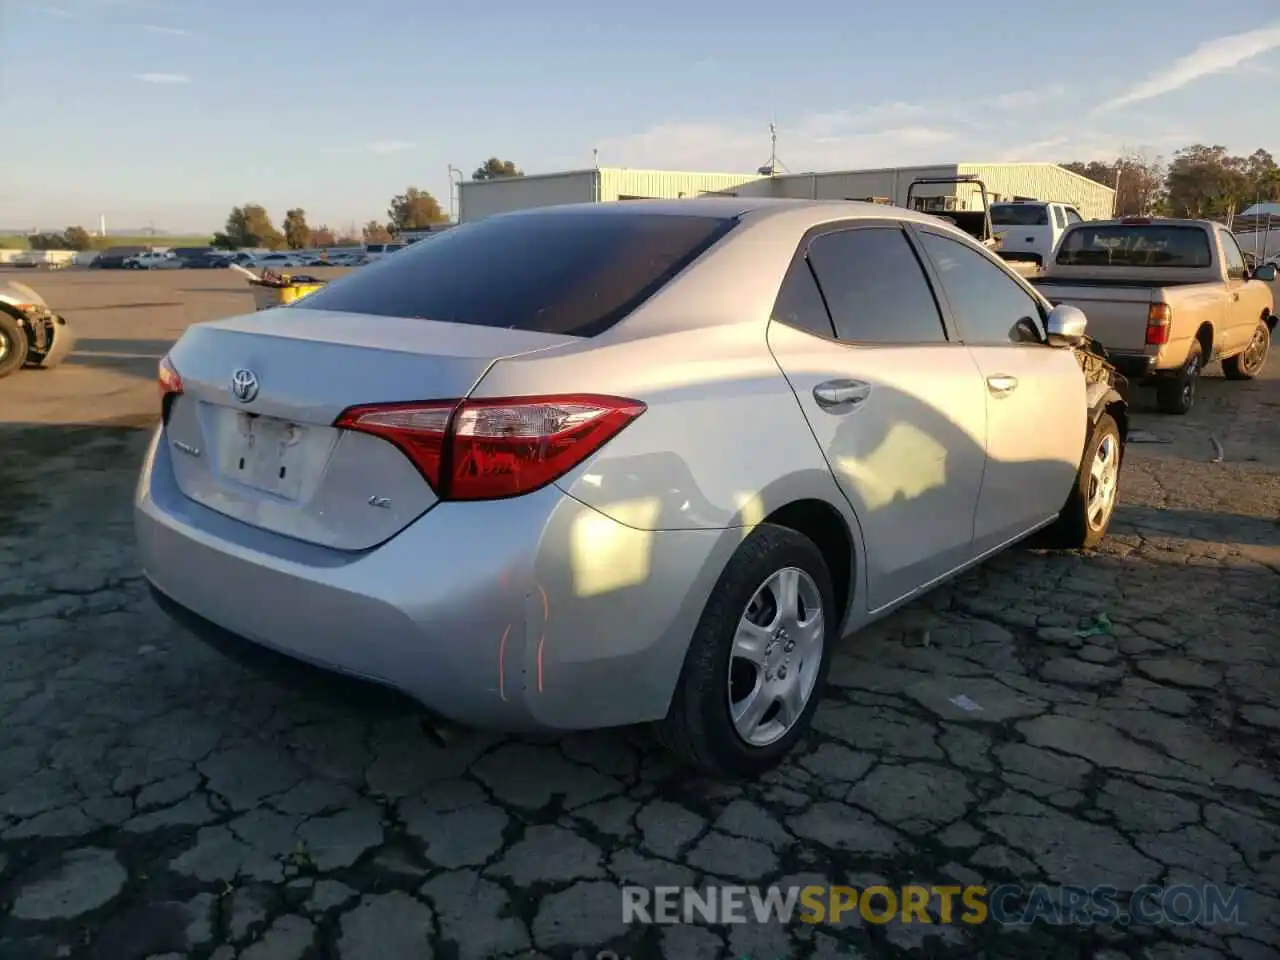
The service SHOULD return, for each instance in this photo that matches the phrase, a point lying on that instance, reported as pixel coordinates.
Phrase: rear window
(1135, 245)
(375, 248)
(564, 273)
(1019, 215)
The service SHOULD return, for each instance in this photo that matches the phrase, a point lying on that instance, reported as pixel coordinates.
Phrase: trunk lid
(252, 436)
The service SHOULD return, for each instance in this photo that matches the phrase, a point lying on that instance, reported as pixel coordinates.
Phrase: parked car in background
(546, 507)
(209, 261)
(1166, 297)
(278, 261)
(1027, 231)
(31, 334)
(376, 251)
(113, 258)
(151, 260)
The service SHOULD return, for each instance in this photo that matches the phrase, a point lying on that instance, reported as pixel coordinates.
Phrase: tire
(13, 344)
(1080, 524)
(1253, 359)
(1177, 393)
(699, 727)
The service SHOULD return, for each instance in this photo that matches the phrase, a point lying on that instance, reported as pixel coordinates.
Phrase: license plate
(268, 455)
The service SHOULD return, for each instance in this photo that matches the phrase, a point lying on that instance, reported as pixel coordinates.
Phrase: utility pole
(453, 217)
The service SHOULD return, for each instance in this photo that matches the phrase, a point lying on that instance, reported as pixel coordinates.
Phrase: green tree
(296, 232)
(249, 226)
(47, 241)
(1205, 181)
(495, 169)
(322, 237)
(77, 238)
(375, 232)
(414, 209)
(1139, 182)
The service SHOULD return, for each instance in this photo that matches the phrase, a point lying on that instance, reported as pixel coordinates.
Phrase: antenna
(771, 168)
(595, 158)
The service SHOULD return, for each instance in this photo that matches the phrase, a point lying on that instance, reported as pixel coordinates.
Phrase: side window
(1057, 217)
(1073, 216)
(799, 302)
(1236, 267)
(875, 287)
(989, 305)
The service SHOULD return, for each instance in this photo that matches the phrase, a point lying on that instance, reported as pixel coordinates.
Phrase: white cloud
(167, 31)
(162, 77)
(1025, 99)
(816, 143)
(1213, 56)
(390, 146)
(885, 134)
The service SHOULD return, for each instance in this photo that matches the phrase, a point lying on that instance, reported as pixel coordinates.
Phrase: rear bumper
(531, 614)
(1135, 367)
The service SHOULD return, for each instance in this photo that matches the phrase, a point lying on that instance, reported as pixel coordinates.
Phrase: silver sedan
(613, 464)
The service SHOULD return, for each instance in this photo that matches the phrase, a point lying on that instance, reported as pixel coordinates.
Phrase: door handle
(1235, 297)
(1002, 385)
(840, 396)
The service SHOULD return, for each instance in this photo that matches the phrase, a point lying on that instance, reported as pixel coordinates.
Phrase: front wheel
(1177, 394)
(758, 659)
(13, 344)
(1086, 516)
(1249, 363)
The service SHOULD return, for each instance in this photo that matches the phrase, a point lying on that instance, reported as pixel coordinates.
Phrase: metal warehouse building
(1004, 181)
(483, 198)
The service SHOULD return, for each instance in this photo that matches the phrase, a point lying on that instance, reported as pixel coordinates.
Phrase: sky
(167, 113)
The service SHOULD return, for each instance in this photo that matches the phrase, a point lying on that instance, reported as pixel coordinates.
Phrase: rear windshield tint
(1136, 245)
(565, 273)
(1019, 215)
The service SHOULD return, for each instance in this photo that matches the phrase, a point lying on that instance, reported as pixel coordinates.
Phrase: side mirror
(1266, 271)
(1066, 325)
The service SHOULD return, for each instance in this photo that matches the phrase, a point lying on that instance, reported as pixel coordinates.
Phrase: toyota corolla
(613, 464)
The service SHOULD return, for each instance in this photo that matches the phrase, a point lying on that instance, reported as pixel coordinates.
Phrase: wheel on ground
(1177, 393)
(1249, 363)
(13, 344)
(1086, 517)
(758, 659)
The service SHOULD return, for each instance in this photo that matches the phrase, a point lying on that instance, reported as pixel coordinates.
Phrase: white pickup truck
(1027, 231)
(1165, 298)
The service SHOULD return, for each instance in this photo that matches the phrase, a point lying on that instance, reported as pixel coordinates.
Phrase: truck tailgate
(1117, 313)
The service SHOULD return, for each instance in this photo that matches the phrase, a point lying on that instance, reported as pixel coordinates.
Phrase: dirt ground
(1109, 719)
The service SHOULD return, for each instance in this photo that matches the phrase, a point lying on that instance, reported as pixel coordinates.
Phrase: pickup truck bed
(1164, 297)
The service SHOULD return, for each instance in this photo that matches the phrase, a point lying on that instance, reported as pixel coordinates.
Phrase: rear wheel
(1177, 393)
(758, 659)
(13, 344)
(1249, 363)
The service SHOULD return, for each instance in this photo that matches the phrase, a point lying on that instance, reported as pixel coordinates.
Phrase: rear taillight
(167, 378)
(169, 384)
(1159, 320)
(490, 449)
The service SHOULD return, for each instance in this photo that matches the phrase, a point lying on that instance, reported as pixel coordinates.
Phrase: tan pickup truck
(1166, 297)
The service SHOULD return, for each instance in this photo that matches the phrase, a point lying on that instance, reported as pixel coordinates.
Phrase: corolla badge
(244, 385)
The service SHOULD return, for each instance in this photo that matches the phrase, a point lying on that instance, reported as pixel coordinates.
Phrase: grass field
(20, 243)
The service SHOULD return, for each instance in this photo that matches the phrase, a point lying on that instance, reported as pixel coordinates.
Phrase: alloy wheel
(776, 656)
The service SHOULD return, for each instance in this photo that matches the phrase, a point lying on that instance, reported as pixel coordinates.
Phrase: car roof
(813, 212)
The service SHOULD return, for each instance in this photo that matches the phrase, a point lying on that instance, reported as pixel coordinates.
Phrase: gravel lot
(156, 800)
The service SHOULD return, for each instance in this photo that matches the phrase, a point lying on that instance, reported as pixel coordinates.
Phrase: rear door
(898, 409)
(1037, 412)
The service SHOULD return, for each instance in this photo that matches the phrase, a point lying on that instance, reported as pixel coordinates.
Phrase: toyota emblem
(244, 385)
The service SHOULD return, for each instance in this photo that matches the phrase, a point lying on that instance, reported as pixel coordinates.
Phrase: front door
(897, 408)
(1246, 300)
(1037, 411)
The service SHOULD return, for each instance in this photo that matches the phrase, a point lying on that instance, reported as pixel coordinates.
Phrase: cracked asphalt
(158, 801)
